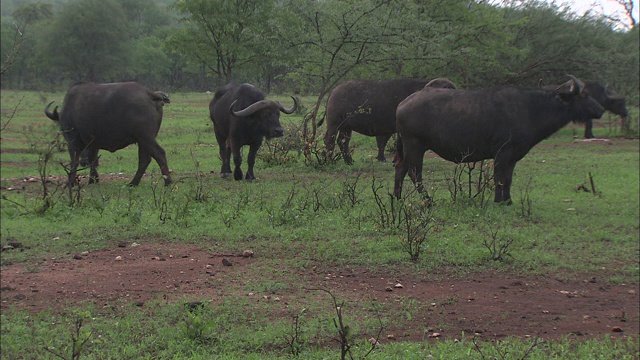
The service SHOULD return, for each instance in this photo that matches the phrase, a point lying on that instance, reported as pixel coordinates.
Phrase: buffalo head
(266, 114)
(584, 107)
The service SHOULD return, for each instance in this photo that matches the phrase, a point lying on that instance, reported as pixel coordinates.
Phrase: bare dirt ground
(491, 305)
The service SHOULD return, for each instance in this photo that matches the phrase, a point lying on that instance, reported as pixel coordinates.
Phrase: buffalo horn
(52, 115)
(249, 110)
(577, 82)
(290, 110)
(442, 83)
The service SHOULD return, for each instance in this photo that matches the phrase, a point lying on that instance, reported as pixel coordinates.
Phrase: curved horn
(251, 109)
(575, 86)
(290, 110)
(443, 83)
(577, 82)
(52, 115)
(616, 97)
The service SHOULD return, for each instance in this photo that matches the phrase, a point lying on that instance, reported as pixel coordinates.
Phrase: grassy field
(307, 213)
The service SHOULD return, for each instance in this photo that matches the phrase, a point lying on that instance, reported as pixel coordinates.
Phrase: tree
(332, 40)
(87, 40)
(225, 35)
(18, 37)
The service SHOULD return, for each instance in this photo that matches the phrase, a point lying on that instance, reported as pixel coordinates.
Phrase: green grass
(300, 213)
(235, 330)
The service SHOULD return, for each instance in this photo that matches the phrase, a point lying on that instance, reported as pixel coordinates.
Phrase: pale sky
(610, 8)
(607, 7)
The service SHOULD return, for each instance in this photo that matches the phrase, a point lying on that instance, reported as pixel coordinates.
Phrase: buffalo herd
(500, 123)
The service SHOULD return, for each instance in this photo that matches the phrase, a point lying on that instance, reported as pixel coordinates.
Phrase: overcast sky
(607, 7)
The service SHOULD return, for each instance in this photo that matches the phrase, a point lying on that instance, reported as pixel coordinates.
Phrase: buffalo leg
(160, 156)
(144, 159)
(330, 141)
(90, 158)
(410, 162)
(147, 150)
(503, 173)
(74, 154)
(225, 155)
(237, 161)
(382, 144)
(588, 129)
(344, 135)
(401, 172)
(415, 173)
(251, 160)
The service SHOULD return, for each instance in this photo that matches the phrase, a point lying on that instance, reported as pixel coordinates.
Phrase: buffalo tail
(399, 155)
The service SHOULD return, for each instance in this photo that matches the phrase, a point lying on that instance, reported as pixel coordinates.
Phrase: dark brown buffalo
(367, 107)
(110, 117)
(241, 116)
(501, 123)
(608, 100)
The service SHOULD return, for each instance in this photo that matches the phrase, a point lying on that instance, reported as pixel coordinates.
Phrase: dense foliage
(308, 46)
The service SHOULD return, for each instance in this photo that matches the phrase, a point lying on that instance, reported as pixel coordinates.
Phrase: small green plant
(344, 331)
(79, 336)
(234, 211)
(196, 327)
(416, 219)
(279, 151)
(199, 192)
(295, 340)
(525, 200)
(45, 182)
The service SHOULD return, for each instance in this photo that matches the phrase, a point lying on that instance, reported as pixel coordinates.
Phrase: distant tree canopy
(309, 46)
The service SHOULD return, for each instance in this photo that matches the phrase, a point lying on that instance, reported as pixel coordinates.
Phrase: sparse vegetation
(296, 217)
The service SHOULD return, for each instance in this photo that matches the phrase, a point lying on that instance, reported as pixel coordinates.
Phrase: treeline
(308, 46)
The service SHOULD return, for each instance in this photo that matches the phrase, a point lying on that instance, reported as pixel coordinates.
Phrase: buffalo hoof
(225, 175)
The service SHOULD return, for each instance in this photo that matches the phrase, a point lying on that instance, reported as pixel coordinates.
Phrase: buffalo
(500, 123)
(367, 107)
(111, 117)
(608, 100)
(241, 116)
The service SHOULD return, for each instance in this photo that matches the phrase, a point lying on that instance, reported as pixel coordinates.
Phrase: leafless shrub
(344, 331)
(387, 205)
(526, 203)
(498, 246)
(350, 193)
(503, 353)
(416, 219)
(295, 340)
(466, 182)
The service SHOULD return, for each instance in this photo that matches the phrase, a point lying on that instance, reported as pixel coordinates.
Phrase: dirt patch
(491, 304)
